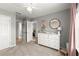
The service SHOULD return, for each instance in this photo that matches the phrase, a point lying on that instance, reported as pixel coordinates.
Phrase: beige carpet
(29, 49)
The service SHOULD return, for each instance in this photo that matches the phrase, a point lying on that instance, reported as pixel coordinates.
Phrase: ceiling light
(29, 9)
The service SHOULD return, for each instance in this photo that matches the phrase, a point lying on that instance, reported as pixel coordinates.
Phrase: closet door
(29, 31)
(5, 31)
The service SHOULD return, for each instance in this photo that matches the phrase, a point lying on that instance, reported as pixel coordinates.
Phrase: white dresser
(51, 40)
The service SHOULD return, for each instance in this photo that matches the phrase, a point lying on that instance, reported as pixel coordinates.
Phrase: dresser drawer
(43, 36)
(49, 40)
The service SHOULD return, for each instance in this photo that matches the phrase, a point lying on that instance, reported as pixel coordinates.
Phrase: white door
(5, 31)
(77, 30)
(29, 31)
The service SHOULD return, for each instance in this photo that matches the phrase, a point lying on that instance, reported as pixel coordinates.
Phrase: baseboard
(13, 45)
(8, 46)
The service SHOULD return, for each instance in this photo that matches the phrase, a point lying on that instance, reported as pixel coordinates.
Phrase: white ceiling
(40, 9)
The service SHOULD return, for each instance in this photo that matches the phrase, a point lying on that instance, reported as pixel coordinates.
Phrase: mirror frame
(51, 23)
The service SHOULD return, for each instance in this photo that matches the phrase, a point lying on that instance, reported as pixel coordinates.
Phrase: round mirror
(54, 23)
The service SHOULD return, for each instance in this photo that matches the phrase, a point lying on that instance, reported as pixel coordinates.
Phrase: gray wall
(64, 17)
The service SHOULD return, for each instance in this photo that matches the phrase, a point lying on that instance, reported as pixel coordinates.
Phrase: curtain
(72, 48)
